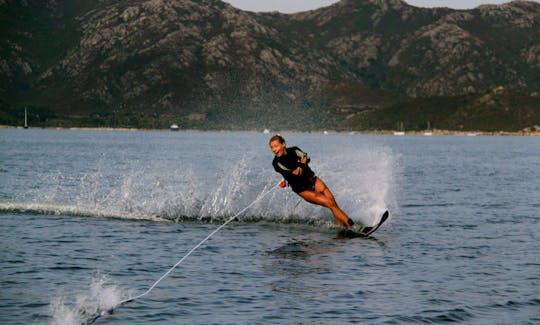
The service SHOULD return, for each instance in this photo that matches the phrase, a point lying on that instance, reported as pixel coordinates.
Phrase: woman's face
(277, 148)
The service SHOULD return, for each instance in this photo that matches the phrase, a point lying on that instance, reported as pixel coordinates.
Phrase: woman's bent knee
(318, 198)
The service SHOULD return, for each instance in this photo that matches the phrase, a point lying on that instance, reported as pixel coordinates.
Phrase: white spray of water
(99, 296)
(360, 174)
(62, 314)
(362, 181)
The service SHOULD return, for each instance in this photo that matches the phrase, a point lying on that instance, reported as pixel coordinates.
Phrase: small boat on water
(174, 127)
(428, 131)
(400, 129)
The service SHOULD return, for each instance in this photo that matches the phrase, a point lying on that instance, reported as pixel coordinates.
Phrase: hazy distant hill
(358, 64)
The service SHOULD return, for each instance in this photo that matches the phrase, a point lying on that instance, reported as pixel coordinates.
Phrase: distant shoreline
(434, 132)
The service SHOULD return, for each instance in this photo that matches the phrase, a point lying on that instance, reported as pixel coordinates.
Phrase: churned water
(91, 218)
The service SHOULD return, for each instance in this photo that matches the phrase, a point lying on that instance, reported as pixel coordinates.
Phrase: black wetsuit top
(289, 162)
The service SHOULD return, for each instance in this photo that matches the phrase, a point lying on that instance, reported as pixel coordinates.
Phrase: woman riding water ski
(292, 164)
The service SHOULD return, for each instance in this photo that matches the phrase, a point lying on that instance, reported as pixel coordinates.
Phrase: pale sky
(289, 6)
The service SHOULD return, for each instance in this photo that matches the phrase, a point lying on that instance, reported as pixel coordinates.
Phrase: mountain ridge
(206, 64)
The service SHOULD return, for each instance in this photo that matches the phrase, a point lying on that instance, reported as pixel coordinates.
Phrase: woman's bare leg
(324, 197)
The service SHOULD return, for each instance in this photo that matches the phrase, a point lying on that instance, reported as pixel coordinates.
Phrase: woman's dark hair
(277, 137)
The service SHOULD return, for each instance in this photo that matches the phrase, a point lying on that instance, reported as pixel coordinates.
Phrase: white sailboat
(428, 131)
(400, 129)
(25, 118)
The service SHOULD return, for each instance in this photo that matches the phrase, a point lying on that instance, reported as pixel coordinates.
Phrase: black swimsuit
(289, 162)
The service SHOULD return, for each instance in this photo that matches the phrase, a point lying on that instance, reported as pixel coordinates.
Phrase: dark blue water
(89, 218)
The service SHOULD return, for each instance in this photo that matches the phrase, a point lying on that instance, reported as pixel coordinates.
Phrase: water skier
(292, 164)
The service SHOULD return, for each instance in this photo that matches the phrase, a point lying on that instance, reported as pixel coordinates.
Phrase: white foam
(360, 175)
(362, 182)
(99, 297)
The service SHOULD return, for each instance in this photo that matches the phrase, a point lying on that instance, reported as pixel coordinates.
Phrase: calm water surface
(89, 218)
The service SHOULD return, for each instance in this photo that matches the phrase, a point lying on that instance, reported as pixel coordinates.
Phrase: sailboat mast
(25, 118)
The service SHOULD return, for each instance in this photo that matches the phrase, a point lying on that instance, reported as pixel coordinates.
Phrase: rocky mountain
(204, 63)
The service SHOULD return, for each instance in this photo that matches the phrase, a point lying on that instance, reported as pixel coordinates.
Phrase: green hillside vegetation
(354, 66)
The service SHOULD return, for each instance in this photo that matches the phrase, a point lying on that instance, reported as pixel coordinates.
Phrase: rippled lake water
(89, 218)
